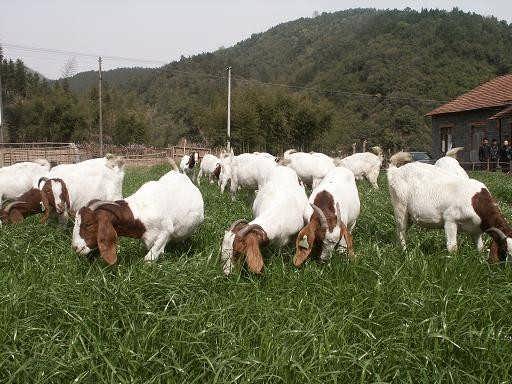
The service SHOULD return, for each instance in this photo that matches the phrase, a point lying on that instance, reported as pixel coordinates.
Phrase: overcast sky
(163, 30)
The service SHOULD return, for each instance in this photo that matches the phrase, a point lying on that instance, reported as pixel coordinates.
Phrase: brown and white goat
(168, 209)
(25, 205)
(55, 199)
(435, 198)
(335, 209)
(280, 212)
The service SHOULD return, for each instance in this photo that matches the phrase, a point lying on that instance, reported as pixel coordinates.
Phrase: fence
(67, 153)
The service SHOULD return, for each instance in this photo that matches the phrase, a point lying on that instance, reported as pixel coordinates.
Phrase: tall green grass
(391, 316)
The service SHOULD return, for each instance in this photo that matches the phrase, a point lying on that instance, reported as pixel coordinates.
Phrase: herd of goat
(171, 208)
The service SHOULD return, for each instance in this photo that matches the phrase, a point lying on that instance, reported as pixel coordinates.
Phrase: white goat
(435, 198)
(160, 211)
(100, 178)
(210, 166)
(449, 163)
(18, 178)
(365, 165)
(280, 211)
(246, 170)
(188, 163)
(310, 167)
(335, 209)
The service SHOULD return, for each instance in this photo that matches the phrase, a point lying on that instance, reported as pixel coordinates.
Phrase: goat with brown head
(323, 234)
(55, 198)
(493, 223)
(159, 211)
(100, 223)
(25, 205)
(243, 241)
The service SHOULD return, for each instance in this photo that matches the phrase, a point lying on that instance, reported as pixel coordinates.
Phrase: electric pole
(101, 112)
(229, 109)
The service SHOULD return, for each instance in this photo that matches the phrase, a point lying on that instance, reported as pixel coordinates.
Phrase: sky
(161, 31)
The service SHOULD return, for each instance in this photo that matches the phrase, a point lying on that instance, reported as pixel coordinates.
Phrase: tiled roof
(494, 93)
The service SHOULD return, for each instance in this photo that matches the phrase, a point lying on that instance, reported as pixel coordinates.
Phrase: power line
(50, 51)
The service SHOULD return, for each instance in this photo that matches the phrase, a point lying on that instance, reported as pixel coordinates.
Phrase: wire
(166, 67)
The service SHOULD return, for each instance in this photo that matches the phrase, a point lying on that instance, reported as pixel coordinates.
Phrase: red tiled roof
(494, 93)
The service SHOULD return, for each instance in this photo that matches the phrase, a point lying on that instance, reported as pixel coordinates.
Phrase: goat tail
(173, 164)
(453, 152)
(399, 159)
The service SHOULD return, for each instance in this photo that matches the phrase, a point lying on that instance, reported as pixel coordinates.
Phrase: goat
(168, 209)
(245, 170)
(435, 198)
(335, 209)
(310, 167)
(29, 203)
(364, 165)
(18, 178)
(188, 162)
(210, 166)
(449, 163)
(100, 179)
(55, 199)
(280, 212)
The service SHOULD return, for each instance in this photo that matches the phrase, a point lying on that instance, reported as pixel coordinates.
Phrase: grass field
(391, 316)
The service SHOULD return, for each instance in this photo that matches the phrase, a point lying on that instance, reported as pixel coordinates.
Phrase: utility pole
(229, 109)
(101, 112)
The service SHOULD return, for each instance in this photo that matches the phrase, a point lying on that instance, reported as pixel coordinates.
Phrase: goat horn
(497, 231)
(45, 179)
(321, 215)
(236, 223)
(94, 206)
(245, 230)
(9, 206)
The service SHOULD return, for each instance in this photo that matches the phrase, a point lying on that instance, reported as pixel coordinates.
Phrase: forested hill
(368, 73)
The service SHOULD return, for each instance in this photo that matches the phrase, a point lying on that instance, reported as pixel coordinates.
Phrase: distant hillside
(404, 57)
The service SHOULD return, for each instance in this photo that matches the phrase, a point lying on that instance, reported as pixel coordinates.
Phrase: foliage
(369, 73)
(391, 316)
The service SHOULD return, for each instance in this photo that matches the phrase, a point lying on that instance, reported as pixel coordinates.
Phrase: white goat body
(451, 165)
(246, 170)
(433, 197)
(169, 209)
(100, 178)
(279, 210)
(208, 165)
(364, 165)
(310, 167)
(18, 178)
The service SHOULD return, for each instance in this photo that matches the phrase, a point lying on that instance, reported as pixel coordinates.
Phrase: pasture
(391, 316)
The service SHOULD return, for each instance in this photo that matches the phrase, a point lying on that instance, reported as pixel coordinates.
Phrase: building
(485, 111)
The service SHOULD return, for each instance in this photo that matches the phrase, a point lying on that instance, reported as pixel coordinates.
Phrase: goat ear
(494, 256)
(304, 245)
(350, 242)
(254, 257)
(45, 205)
(15, 216)
(107, 240)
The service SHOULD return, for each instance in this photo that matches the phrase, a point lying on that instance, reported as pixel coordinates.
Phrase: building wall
(464, 124)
